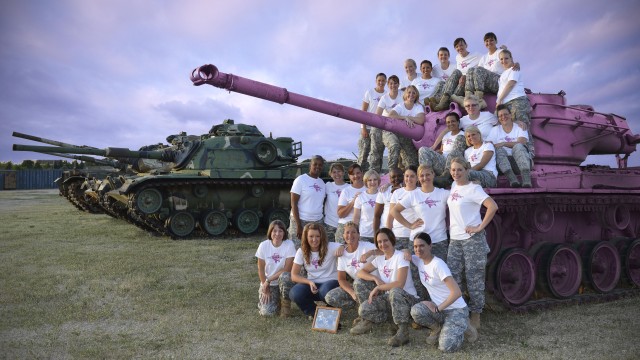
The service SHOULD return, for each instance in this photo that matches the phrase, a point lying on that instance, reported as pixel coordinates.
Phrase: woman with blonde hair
(481, 156)
(364, 207)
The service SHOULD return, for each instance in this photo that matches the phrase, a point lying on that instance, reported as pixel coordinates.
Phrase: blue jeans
(303, 297)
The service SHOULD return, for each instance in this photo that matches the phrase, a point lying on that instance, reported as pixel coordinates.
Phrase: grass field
(79, 285)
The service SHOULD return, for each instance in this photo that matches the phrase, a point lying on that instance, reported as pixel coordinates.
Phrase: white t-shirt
(320, 273)
(426, 87)
(398, 229)
(517, 91)
(437, 71)
(401, 110)
(467, 62)
(474, 156)
(331, 204)
(388, 270)
(432, 209)
(499, 135)
(464, 209)
(387, 103)
(372, 97)
(383, 198)
(404, 80)
(367, 205)
(485, 122)
(448, 142)
(346, 196)
(350, 262)
(311, 193)
(432, 276)
(492, 62)
(275, 257)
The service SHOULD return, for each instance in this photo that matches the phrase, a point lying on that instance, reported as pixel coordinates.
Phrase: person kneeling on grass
(354, 258)
(275, 258)
(447, 313)
(318, 257)
(390, 292)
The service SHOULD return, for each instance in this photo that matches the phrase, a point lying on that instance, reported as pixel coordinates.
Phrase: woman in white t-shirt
(388, 292)
(365, 206)
(411, 111)
(384, 196)
(401, 232)
(347, 199)
(275, 259)
(481, 155)
(511, 90)
(307, 199)
(446, 314)
(468, 247)
(430, 206)
(318, 257)
(510, 140)
(453, 144)
(333, 189)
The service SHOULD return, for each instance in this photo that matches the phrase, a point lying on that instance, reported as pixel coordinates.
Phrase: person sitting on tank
(307, 199)
(410, 68)
(468, 246)
(449, 144)
(446, 313)
(333, 189)
(454, 86)
(275, 259)
(318, 258)
(510, 143)
(425, 83)
(512, 93)
(483, 120)
(413, 113)
(347, 199)
(384, 197)
(369, 104)
(481, 156)
(390, 292)
(442, 71)
(349, 264)
(384, 138)
(364, 207)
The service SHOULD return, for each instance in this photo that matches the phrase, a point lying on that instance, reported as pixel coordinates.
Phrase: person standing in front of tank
(454, 86)
(468, 247)
(369, 104)
(390, 292)
(349, 264)
(364, 207)
(383, 138)
(384, 196)
(318, 257)
(275, 259)
(347, 199)
(400, 232)
(446, 314)
(481, 155)
(453, 144)
(307, 199)
(333, 189)
(510, 142)
(413, 113)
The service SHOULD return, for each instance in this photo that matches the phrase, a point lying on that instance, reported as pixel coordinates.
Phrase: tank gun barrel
(47, 141)
(89, 159)
(209, 74)
(110, 152)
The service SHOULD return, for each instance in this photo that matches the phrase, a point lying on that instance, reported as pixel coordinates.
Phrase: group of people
(490, 142)
(386, 250)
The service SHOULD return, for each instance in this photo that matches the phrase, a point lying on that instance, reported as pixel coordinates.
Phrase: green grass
(79, 285)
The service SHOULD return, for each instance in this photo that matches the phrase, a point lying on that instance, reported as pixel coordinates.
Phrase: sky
(116, 73)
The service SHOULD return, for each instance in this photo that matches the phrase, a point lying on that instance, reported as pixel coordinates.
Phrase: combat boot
(432, 339)
(475, 320)
(444, 103)
(285, 308)
(458, 99)
(526, 178)
(482, 103)
(362, 327)
(513, 179)
(471, 334)
(401, 337)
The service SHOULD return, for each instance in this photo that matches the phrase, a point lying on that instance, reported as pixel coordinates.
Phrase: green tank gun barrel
(48, 141)
(110, 152)
(89, 159)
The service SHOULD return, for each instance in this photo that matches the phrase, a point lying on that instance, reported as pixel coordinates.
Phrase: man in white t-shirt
(454, 86)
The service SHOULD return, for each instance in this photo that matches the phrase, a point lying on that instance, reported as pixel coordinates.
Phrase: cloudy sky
(116, 73)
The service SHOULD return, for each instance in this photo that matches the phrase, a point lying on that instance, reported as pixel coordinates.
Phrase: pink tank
(575, 231)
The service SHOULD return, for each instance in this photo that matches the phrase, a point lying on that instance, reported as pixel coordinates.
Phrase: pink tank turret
(577, 225)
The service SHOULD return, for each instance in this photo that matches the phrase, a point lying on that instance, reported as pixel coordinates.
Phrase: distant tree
(8, 165)
(27, 164)
(37, 165)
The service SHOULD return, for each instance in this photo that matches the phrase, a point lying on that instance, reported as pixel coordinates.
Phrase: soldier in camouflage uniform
(453, 145)
(379, 140)
(279, 294)
(512, 154)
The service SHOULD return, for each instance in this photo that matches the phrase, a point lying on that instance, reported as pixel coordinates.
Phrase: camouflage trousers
(339, 238)
(367, 238)
(408, 152)
(403, 243)
(379, 140)
(470, 256)
(331, 232)
(364, 147)
(486, 178)
(278, 293)
(401, 303)
(339, 298)
(520, 109)
(293, 229)
(481, 79)
(520, 158)
(438, 162)
(452, 85)
(454, 323)
(396, 303)
(440, 249)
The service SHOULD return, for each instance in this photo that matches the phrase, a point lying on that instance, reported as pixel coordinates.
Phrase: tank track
(75, 195)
